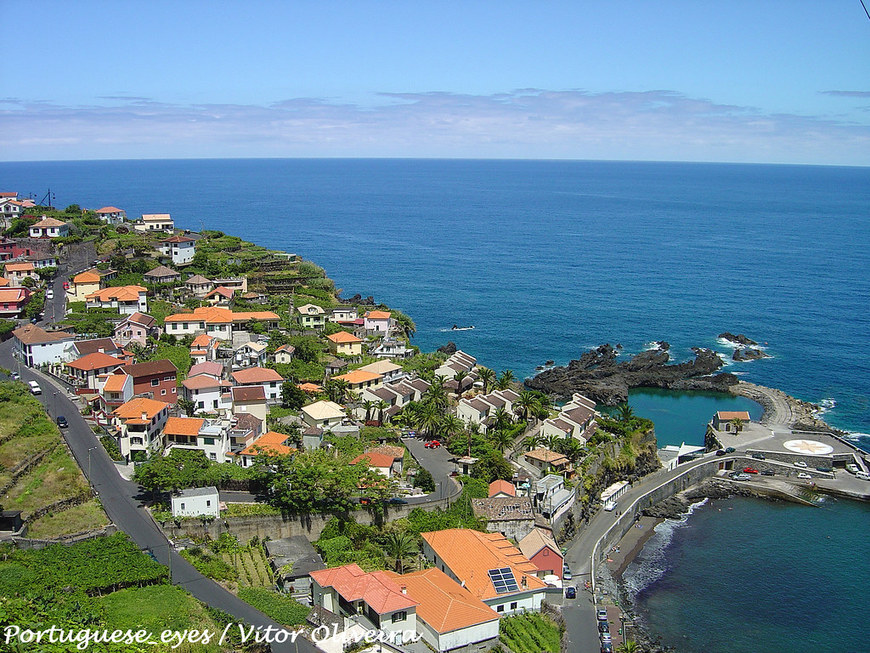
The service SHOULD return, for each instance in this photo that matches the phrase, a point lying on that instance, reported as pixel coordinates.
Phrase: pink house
(543, 552)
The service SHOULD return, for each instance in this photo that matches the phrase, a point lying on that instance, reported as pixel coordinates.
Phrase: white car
(853, 468)
(49, 294)
(804, 475)
(864, 476)
(800, 463)
(34, 387)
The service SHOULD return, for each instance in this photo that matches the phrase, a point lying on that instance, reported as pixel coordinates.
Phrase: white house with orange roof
(372, 599)
(358, 380)
(139, 424)
(49, 228)
(488, 566)
(270, 443)
(180, 249)
(344, 343)
(83, 284)
(115, 390)
(154, 222)
(83, 372)
(284, 353)
(208, 393)
(220, 296)
(216, 321)
(268, 379)
(204, 348)
(111, 214)
(125, 299)
(377, 322)
(449, 617)
(211, 436)
(13, 301)
(10, 208)
(376, 461)
(725, 420)
(18, 271)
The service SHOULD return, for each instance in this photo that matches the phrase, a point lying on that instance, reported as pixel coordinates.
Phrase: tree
(381, 405)
(187, 405)
(424, 480)
(459, 377)
(336, 390)
(628, 646)
(624, 412)
(369, 405)
(292, 396)
(181, 468)
(737, 423)
(487, 377)
(501, 418)
(399, 546)
(533, 441)
(501, 440)
(525, 404)
(505, 380)
(491, 467)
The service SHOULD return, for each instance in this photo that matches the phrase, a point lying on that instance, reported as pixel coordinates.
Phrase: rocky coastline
(599, 375)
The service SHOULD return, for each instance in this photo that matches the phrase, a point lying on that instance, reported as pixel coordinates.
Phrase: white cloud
(529, 123)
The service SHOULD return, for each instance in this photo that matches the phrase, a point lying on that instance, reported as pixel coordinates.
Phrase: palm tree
(533, 441)
(368, 405)
(451, 426)
(336, 390)
(505, 380)
(381, 406)
(501, 440)
(628, 646)
(431, 418)
(624, 411)
(436, 394)
(400, 546)
(552, 441)
(487, 377)
(525, 404)
(459, 377)
(501, 419)
(737, 423)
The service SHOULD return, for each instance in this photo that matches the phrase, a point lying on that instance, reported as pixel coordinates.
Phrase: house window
(182, 506)
(163, 392)
(500, 608)
(208, 440)
(514, 605)
(399, 616)
(155, 382)
(208, 505)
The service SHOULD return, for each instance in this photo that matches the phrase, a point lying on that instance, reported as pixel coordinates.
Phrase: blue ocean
(548, 258)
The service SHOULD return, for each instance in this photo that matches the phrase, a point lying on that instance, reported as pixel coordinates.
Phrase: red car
(66, 285)
(750, 470)
(434, 444)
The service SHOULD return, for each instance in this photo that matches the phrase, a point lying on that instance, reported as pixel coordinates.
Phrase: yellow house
(82, 285)
(345, 343)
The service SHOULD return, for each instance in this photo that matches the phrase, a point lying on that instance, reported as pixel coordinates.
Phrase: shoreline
(631, 545)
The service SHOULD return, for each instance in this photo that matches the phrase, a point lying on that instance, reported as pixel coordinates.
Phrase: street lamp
(89, 463)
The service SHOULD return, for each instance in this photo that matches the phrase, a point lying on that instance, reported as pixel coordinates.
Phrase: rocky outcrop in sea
(599, 375)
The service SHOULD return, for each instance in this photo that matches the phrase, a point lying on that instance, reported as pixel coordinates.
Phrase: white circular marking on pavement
(811, 447)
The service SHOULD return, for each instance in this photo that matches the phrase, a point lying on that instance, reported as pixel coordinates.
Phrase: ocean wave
(728, 343)
(651, 564)
(826, 404)
(726, 359)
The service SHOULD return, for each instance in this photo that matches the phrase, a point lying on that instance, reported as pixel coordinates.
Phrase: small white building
(611, 495)
(49, 228)
(154, 222)
(180, 249)
(111, 215)
(377, 322)
(196, 502)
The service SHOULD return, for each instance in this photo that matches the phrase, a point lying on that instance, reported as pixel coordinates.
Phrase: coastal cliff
(598, 374)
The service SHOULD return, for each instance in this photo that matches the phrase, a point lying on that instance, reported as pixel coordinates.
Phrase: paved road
(123, 502)
(437, 462)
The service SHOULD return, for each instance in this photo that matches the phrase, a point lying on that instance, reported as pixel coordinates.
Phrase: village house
(139, 424)
(114, 390)
(284, 354)
(371, 599)
(211, 436)
(83, 284)
(111, 215)
(459, 361)
(220, 296)
(391, 348)
(481, 409)
(268, 379)
(390, 371)
(323, 415)
(49, 228)
(344, 343)
(270, 443)
(357, 380)
(208, 393)
(216, 321)
(10, 209)
(334, 365)
(392, 403)
(249, 400)
(10, 249)
(292, 559)
(13, 301)
(501, 488)
(449, 617)
(19, 271)
(551, 498)
(344, 315)
(125, 299)
(377, 462)
(155, 378)
(488, 566)
(81, 348)
(34, 346)
(42, 260)
(724, 420)
(180, 249)
(198, 285)
(161, 274)
(83, 372)
(547, 461)
(312, 316)
(238, 285)
(250, 354)
(196, 502)
(212, 368)
(204, 348)
(154, 222)
(377, 322)
(543, 552)
(136, 328)
(513, 517)
(576, 420)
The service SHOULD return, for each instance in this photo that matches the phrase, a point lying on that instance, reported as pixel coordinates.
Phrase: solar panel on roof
(503, 580)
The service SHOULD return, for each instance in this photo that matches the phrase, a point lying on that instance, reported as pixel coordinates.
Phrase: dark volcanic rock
(748, 354)
(739, 339)
(449, 348)
(601, 377)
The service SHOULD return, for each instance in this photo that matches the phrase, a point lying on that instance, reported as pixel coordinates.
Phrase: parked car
(66, 285)
(15, 376)
(851, 467)
(570, 592)
(61, 422)
(767, 472)
(741, 476)
(606, 647)
(603, 627)
(759, 456)
(601, 613)
(605, 637)
(432, 444)
(566, 574)
(864, 476)
(824, 469)
(750, 470)
(720, 452)
(730, 450)
(34, 387)
(804, 476)
(800, 463)
(398, 501)
(49, 294)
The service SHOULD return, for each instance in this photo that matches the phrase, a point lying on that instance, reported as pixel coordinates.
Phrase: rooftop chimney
(144, 416)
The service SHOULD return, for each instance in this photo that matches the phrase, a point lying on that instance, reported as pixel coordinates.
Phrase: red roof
(376, 588)
(256, 375)
(374, 459)
(502, 486)
(96, 361)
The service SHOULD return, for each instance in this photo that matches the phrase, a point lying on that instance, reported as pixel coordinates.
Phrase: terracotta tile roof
(262, 316)
(94, 345)
(377, 315)
(30, 334)
(202, 381)
(48, 222)
(376, 588)
(249, 393)
(4, 282)
(256, 375)
(396, 453)
(177, 239)
(357, 376)
(95, 361)
(197, 280)
(309, 387)
(207, 367)
(270, 443)
(471, 554)
(142, 318)
(162, 271)
(119, 293)
(149, 368)
(19, 267)
(343, 337)
(183, 426)
(115, 383)
(109, 209)
(207, 314)
(88, 276)
(733, 414)
(442, 603)
(133, 409)
(222, 291)
(13, 295)
(536, 540)
(374, 459)
(288, 348)
(323, 410)
(502, 486)
(202, 340)
(547, 456)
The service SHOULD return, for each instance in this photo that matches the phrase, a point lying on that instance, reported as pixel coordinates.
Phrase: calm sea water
(547, 259)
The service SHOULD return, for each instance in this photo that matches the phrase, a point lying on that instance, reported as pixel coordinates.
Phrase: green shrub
(281, 608)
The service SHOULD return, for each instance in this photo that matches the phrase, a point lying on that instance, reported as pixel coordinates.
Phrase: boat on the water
(459, 328)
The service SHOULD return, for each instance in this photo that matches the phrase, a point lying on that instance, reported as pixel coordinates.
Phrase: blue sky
(755, 81)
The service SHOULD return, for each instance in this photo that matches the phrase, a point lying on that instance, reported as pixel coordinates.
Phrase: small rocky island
(745, 349)
(599, 374)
